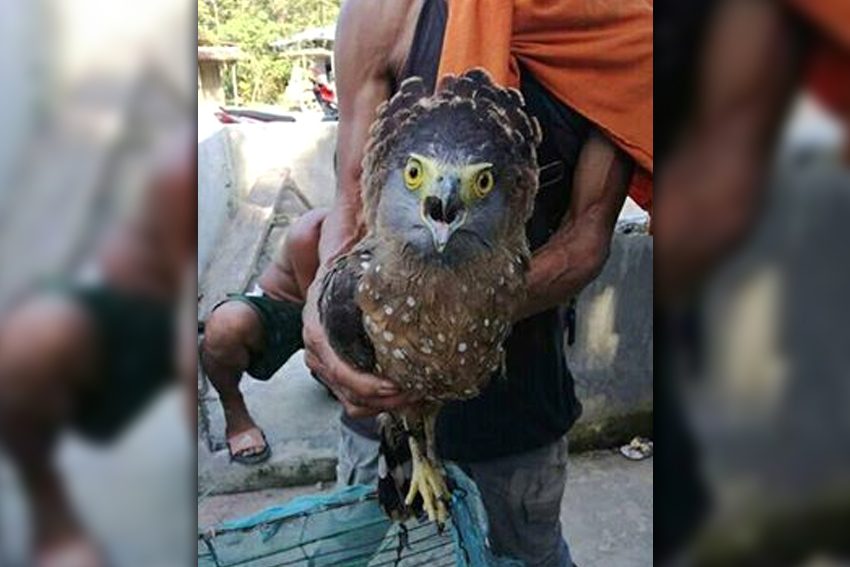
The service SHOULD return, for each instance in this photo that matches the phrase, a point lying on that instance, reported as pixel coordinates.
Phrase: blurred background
(95, 93)
(751, 424)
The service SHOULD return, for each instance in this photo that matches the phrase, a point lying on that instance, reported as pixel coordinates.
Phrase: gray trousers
(521, 493)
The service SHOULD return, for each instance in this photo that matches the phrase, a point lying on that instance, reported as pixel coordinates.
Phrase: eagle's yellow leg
(427, 479)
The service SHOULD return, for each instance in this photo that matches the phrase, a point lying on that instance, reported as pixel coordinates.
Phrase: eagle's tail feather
(395, 470)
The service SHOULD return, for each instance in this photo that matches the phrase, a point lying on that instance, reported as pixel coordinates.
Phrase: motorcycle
(326, 99)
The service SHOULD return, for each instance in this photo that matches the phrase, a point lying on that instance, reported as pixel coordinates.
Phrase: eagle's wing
(342, 319)
(341, 316)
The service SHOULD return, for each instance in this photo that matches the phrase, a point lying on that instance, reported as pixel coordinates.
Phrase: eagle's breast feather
(439, 332)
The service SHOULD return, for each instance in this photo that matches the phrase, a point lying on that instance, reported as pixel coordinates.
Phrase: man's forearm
(343, 227)
(711, 199)
(576, 253)
(341, 230)
(562, 268)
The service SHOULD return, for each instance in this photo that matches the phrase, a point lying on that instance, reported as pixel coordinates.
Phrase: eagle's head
(453, 175)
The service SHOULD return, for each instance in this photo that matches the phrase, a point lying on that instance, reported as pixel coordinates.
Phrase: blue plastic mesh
(348, 528)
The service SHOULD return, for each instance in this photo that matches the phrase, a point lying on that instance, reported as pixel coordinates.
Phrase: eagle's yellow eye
(483, 183)
(413, 174)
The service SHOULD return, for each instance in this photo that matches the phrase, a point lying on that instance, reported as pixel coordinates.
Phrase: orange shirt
(593, 55)
(830, 17)
(828, 69)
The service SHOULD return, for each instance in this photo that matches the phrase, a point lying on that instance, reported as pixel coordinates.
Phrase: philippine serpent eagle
(426, 298)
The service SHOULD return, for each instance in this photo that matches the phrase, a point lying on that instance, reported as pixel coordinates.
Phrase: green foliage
(253, 25)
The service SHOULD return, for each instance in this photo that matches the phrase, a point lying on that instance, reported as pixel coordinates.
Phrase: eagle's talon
(427, 481)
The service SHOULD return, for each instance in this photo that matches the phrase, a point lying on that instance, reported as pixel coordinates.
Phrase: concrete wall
(305, 148)
(611, 360)
(216, 184)
(232, 158)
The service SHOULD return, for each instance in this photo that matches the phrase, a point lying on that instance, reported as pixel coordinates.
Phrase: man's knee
(47, 351)
(231, 330)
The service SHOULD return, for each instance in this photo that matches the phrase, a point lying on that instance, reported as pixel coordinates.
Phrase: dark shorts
(136, 357)
(282, 326)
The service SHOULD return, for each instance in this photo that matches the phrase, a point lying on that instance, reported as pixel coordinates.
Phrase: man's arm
(576, 253)
(368, 48)
(710, 188)
(362, 84)
(367, 39)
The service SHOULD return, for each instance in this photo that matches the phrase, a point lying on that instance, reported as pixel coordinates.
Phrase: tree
(253, 25)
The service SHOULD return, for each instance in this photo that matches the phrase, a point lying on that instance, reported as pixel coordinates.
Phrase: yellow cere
(476, 179)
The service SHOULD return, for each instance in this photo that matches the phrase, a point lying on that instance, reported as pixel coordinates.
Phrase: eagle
(425, 299)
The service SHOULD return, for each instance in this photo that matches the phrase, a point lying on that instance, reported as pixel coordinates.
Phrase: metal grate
(348, 528)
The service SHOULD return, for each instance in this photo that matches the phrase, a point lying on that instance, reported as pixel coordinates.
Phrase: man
(511, 439)
(90, 356)
(257, 332)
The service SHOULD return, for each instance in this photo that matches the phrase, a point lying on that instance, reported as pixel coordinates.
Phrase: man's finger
(349, 381)
(359, 411)
(363, 407)
(394, 402)
(315, 365)
(361, 384)
(379, 403)
(322, 359)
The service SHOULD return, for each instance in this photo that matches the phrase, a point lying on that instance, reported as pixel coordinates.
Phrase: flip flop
(639, 449)
(241, 442)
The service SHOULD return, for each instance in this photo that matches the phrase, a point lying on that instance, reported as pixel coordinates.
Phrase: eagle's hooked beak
(444, 212)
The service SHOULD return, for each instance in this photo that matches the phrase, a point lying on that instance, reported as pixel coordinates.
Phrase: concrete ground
(607, 508)
(606, 511)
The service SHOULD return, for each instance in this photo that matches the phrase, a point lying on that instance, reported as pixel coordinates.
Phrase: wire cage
(348, 528)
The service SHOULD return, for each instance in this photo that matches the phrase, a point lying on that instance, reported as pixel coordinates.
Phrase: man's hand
(361, 394)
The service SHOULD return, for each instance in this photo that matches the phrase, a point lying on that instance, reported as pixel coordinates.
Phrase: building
(212, 63)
